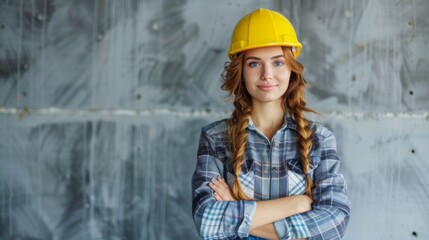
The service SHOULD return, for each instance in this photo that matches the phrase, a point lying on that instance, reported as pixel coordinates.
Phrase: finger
(222, 181)
(222, 191)
(218, 186)
(217, 197)
(215, 186)
(218, 190)
(227, 194)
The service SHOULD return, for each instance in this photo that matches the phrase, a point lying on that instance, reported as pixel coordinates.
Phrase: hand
(221, 190)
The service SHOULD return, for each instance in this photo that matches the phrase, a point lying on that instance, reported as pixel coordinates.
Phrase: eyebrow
(275, 57)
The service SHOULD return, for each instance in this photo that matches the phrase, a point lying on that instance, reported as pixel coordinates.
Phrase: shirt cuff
(292, 227)
(249, 211)
(282, 229)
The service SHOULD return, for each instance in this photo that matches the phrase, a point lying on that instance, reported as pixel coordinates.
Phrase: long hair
(293, 102)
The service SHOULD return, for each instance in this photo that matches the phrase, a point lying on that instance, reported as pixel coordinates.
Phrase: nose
(267, 73)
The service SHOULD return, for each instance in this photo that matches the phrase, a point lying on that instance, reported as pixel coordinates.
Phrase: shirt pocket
(247, 181)
(296, 177)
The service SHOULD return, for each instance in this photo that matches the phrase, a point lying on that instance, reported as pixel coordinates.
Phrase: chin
(268, 100)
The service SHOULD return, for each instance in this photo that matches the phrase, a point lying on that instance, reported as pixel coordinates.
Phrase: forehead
(264, 52)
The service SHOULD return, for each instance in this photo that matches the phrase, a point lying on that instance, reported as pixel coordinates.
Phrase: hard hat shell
(263, 28)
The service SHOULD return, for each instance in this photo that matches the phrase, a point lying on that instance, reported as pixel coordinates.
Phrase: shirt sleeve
(330, 212)
(213, 219)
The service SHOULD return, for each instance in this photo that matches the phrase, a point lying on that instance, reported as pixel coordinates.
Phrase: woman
(267, 172)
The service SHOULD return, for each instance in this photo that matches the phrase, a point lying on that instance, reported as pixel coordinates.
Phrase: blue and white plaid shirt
(271, 170)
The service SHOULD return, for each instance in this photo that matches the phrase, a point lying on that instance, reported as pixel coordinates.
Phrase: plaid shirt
(271, 170)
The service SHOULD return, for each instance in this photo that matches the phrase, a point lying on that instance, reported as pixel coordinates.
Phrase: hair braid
(304, 146)
(239, 121)
(238, 136)
(295, 103)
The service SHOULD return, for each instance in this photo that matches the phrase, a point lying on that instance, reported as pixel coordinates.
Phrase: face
(265, 73)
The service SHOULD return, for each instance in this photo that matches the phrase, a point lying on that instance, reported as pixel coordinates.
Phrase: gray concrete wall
(101, 105)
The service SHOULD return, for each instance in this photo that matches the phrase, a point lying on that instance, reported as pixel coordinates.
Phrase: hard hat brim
(297, 46)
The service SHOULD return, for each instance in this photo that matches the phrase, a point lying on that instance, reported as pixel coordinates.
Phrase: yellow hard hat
(263, 28)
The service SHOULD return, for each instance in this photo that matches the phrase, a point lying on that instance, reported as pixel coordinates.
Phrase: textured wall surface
(102, 102)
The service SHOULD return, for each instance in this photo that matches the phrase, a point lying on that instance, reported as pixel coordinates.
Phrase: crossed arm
(221, 217)
(266, 212)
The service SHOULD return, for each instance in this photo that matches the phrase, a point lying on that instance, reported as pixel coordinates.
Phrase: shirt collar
(289, 122)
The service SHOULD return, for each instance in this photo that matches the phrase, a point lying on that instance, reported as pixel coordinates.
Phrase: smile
(266, 87)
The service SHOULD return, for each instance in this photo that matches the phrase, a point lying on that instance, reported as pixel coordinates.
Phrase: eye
(253, 64)
(278, 63)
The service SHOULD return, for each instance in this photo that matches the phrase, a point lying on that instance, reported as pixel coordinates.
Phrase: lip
(266, 87)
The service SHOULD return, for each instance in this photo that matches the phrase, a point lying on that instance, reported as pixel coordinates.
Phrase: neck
(267, 117)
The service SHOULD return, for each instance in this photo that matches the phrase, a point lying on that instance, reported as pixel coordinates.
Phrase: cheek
(286, 78)
(286, 82)
(247, 85)
(248, 79)
(246, 75)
